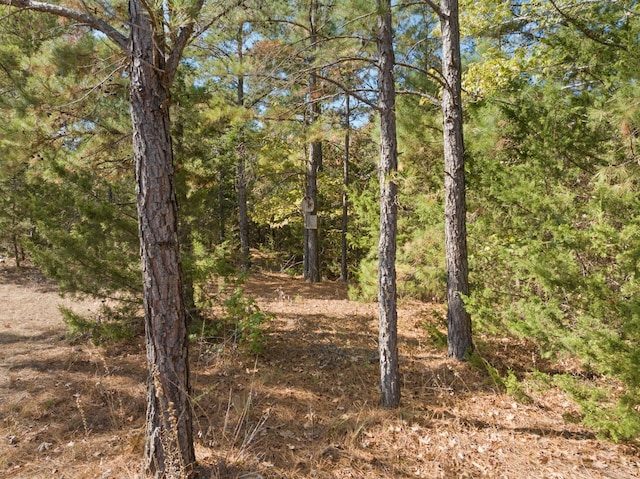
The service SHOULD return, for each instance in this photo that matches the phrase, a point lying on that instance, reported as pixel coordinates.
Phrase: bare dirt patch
(306, 408)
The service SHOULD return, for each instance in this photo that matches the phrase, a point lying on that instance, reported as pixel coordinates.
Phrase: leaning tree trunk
(388, 334)
(459, 322)
(169, 449)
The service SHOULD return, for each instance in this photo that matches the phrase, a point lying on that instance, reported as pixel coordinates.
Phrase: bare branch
(349, 91)
(201, 30)
(434, 6)
(186, 34)
(286, 22)
(436, 78)
(433, 100)
(84, 18)
(93, 89)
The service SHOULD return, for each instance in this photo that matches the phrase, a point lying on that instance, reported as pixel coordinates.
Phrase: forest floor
(305, 408)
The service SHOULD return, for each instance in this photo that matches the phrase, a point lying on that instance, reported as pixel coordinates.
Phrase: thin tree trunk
(345, 193)
(311, 246)
(16, 249)
(312, 271)
(221, 214)
(243, 216)
(184, 228)
(459, 322)
(169, 449)
(388, 334)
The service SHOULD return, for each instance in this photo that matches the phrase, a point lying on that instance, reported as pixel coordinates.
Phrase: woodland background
(552, 121)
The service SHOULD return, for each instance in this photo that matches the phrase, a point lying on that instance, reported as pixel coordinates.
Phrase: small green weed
(248, 319)
(509, 383)
(244, 321)
(434, 329)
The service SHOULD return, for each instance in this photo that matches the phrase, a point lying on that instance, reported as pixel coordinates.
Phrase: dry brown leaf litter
(306, 408)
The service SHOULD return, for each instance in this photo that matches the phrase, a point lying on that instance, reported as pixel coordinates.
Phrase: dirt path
(31, 326)
(53, 392)
(306, 408)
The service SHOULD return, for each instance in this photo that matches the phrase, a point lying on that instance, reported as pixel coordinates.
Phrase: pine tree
(459, 322)
(552, 181)
(387, 295)
(153, 63)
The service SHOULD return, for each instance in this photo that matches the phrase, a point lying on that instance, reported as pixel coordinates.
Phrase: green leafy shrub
(612, 418)
(244, 322)
(435, 329)
(248, 320)
(508, 383)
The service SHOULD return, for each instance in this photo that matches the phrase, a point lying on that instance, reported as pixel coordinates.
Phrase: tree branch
(435, 7)
(438, 79)
(585, 30)
(180, 44)
(95, 23)
(349, 92)
(186, 34)
(432, 99)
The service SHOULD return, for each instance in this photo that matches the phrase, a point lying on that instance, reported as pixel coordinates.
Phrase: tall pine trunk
(459, 322)
(345, 193)
(169, 449)
(311, 244)
(387, 295)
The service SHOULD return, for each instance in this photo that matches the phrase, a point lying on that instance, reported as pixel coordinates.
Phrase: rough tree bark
(387, 295)
(459, 322)
(169, 440)
(311, 247)
(169, 451)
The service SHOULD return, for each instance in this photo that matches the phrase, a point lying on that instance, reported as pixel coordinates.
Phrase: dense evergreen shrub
(554, 243)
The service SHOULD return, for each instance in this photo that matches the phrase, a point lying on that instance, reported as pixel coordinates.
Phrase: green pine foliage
(78, 189)
(551, 140)
(420, 256)
(553, 249)
(243, 323)
(111, 324)
(85, 234)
